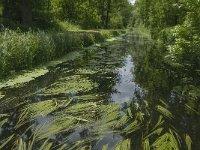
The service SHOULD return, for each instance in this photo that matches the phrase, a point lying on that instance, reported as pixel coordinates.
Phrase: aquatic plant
(71, 84)
(59, 116)
(152, 129)
(1, 96)
(43, 108)
(141, 129)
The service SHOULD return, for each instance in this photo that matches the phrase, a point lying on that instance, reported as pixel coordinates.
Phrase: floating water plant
(71, 84)
(85, 71)
(89, 98)
(24, 78)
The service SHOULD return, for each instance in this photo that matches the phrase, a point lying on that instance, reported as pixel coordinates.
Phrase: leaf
(157, 131)
(122, 121)
(63, 147)
(164, 111)
(83, 142)
(166, 141)
(21, 144)
(44, 145)
(146, 145)
(42, 108)
(123, 145)
(130, 113)
(188, 142)
(132, 127)
(159, 123)
(3, 122)
(105, 147)
(6, 141)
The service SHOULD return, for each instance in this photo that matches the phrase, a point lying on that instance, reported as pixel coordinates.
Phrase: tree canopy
(86, 13)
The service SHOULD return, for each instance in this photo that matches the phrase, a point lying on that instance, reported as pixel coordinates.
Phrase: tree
(26, 12)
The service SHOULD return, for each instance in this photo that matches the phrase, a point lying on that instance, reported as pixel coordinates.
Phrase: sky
(132, 1)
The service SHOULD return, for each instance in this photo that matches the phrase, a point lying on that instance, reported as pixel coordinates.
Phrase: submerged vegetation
(72, 111)
(64, 86)
(143, 127)
(73, 84)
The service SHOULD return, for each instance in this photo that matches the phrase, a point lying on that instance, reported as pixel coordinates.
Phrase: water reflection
(126, 88)
(163, 82)
(66, 104)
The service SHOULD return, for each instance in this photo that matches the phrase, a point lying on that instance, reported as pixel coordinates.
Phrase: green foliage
(154, 135)
(67, 26)
(24, 50)
(175, 26)
(125, 144)
(44, 14)
(166, 141)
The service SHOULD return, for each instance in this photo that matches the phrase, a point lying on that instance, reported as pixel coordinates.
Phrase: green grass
(67, 26)
(24, 50)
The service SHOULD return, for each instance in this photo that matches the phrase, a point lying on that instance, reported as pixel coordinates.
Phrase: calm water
(115, 72)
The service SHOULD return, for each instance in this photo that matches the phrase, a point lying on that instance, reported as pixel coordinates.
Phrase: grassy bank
(24, 50)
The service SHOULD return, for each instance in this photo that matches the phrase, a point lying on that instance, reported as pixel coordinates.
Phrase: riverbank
(25, 50)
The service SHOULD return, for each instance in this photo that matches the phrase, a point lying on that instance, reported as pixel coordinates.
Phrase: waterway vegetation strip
(19, 78)
(151, 128)
(25, 50)
(23, 77)
(151, 124)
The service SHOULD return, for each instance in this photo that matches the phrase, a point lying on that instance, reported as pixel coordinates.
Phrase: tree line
(86, 13)
(175, 25)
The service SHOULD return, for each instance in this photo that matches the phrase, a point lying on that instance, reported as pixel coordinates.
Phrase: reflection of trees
(163, 82)
(149, 70)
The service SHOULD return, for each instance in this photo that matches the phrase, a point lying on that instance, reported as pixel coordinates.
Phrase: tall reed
(24, 50)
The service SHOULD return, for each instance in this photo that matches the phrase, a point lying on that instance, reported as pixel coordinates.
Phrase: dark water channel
(63, 107)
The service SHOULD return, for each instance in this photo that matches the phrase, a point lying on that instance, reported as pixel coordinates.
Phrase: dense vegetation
(30, 45)
(24, 50)
(74, 97)
(53, 13)
(175, 57)
(175, 25)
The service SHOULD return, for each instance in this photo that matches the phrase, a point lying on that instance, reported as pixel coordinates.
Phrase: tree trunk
(108, 13)
(102, 11)
(26, 12)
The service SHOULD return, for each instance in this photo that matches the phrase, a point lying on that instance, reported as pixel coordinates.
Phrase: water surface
(69, 103)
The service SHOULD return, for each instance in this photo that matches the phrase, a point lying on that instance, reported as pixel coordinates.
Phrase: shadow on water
(87, 102)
